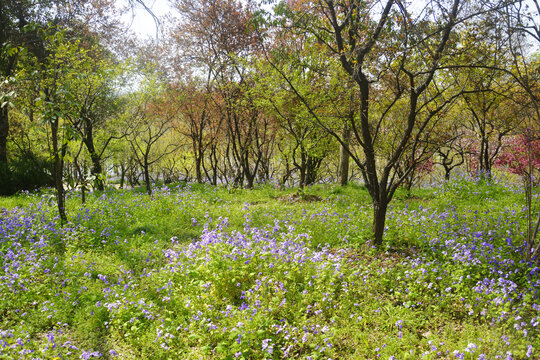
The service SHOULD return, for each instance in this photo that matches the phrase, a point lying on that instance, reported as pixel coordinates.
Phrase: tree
(450, 152)
(57, 73)
(303, 144)
(22, 22)
(98, 104)
(64, 79)
(151, 122)
(198, 123)
(392, 57)
(248, 132)
(522, 155)
(14, 17)
(8, 54)
(523, 31)
(489, 111)
(491, 117)
(306, 145)
(214, 41)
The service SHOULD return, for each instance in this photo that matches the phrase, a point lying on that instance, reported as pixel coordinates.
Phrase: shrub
(29, 173)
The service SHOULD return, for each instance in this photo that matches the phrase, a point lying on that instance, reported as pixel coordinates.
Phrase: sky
(142, 22)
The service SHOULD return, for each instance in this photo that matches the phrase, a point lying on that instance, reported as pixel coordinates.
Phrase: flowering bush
(524, 151)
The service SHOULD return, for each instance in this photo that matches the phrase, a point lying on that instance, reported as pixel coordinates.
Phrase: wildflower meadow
(202, 272)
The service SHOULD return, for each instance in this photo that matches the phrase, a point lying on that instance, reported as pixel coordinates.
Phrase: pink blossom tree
(522, 157)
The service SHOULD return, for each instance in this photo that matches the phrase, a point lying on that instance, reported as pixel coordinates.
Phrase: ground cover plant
(201, 272)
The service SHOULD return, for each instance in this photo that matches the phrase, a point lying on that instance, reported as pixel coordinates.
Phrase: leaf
(221, 348)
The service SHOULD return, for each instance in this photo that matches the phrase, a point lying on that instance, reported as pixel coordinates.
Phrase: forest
(271, 179)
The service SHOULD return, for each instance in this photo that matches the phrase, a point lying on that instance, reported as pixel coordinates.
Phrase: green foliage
(6, 180)
(24, 174)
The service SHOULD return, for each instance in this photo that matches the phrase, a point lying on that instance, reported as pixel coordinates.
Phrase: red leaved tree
(522, 156)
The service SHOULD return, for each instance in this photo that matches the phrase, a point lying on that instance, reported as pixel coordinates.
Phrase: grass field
(200, 272)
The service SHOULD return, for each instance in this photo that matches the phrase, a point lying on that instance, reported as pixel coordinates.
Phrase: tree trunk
(344, 157)
(198, 167)
(4, 132)
(238, 178)
(249, 181)
(483, 159)
(487, 164)
(378, 193)
(147, 177)
(379, 219)
(97, 169)
(83, 193)
(214, 165)
(122, 175)
(302, 168)
(249, 173)
(82, 180)
(447, 171)
(58, 171)
(313, 164)
(286, 174)
(302, 176)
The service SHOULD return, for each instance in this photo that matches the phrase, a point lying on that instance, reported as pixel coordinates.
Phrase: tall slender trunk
(286, 174)
(147, 175)
(59, 171)
(97, 169)
(302, 167)
(82, 180)
(198, 166)
(122, 175)
(250, 173)
(4, 132)
(83, 193)
(7, 67)
(378, 192)
(483, 157)
(487, 163)
(344, 156)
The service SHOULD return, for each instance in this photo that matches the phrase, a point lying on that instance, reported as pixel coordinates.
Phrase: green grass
(130, 277)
